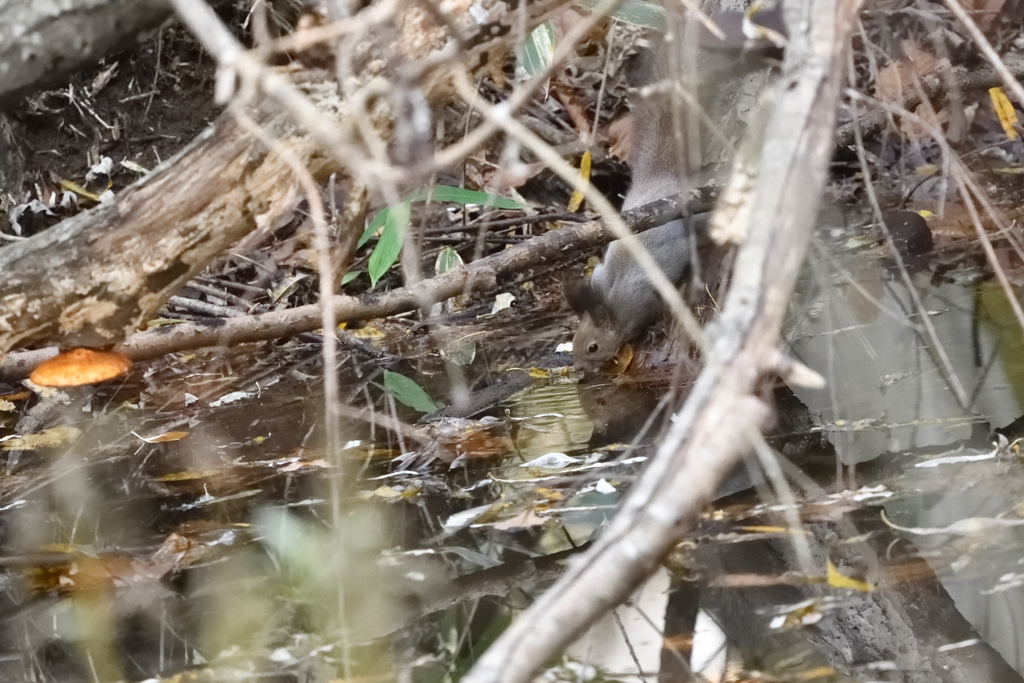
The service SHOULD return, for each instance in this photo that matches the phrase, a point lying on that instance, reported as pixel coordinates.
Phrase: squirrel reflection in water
(618, 302)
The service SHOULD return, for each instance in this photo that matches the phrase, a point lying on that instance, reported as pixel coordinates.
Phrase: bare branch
(705, 439)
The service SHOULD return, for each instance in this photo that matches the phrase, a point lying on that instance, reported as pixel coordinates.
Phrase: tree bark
(99, 276)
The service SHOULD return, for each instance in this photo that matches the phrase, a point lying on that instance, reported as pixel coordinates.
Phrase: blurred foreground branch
(707, 436)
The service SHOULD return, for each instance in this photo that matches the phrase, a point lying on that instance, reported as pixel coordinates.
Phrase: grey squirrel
(618, 302)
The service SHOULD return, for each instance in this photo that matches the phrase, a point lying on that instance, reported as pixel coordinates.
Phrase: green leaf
(395, 219)
(408, 392)
(390, 243)
(535, 55)
(637, 12)
(459, 195)
(446, 260)
(439, 193)
(378, 220)
(350, 276)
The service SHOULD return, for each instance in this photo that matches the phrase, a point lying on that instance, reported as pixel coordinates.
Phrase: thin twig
(665, 288)
(708, 434)
(987, 50)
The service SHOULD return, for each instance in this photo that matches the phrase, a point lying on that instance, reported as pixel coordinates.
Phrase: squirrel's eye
(592, 348)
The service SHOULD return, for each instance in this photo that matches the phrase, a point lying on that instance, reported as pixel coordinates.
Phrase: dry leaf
(576, 200)
(983, 12)
(166, 437)
(899, 74)
(54, 436)
(1004, 111)
(620, 137)
(525, 519)
(925, 124)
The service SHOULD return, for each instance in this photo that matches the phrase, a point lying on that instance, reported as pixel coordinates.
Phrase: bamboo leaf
(460, 195)
(446, 260)
(637, 12)
(393, 220)
(390, 243)
(408, 392)
(535, 54)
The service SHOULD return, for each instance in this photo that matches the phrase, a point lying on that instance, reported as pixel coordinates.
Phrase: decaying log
(119, 262)
(99, 276)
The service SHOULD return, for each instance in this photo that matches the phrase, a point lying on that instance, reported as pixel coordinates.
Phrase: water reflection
(916, 365)
(893, 383)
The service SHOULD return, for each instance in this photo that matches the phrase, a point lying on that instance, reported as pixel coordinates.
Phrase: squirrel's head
(598, 336)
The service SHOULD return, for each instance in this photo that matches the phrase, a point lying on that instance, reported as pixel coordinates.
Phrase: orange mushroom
(80, 366)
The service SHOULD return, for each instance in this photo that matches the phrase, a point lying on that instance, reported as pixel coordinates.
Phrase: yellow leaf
(549, 494)
(539, 373)
(167, 436)
(72, 186)
(837, 580)
(187, 476)
(368, 332)
(386, 492)
(576, 201)
(65, 548)
(48, 438)
(1004, 110)
(768, 529)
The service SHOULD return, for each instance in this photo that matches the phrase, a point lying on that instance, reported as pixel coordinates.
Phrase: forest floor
(181, 518)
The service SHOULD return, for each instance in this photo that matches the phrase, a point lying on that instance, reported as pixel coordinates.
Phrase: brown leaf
(620, 137)
(526, 518)
(900, 73)
(984, 12)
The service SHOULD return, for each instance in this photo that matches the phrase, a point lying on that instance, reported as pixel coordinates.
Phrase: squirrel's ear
(580, 295)
(584, 299)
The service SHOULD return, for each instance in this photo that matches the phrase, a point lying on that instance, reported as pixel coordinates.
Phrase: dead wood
(480, 276)
(936, 88)
(95, 278)
(713, 428)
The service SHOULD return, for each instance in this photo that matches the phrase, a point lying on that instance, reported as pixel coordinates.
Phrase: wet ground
(184, 517)
(190, 518)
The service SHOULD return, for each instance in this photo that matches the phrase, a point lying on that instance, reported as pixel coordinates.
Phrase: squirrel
(618, 301)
